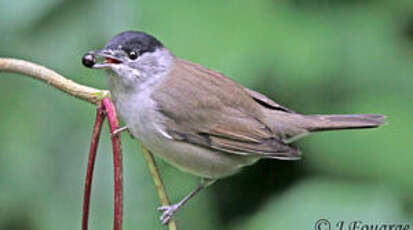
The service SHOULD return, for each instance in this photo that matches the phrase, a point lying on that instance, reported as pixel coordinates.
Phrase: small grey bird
(200, 120)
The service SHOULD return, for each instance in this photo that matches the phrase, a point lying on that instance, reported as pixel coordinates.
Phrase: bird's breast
(138, 111)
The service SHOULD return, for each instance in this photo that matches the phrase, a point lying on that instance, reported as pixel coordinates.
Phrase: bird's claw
(119, 130)
(116, 132)
(168, 212)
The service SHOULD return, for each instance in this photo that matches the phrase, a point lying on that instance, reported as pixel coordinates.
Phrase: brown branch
(86, 93)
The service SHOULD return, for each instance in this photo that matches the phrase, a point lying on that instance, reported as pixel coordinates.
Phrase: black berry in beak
(89, 60)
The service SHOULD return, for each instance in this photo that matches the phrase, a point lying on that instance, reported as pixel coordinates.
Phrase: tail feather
(292, 126)
(347, 121)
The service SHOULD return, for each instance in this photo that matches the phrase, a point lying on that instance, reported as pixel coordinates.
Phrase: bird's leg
(117, 131)
(169, 211)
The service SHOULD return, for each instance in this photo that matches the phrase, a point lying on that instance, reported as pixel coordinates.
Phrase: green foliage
(313, 56)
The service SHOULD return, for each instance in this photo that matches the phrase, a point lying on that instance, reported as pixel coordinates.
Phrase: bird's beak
(111, 58)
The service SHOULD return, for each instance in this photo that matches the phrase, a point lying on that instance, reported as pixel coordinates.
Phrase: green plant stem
(153, 168)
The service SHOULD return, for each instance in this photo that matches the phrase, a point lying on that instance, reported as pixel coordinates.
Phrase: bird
(198, 119)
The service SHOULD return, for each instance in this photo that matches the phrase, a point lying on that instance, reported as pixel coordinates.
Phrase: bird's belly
(188, 157)
(197, 160)
(144, 123)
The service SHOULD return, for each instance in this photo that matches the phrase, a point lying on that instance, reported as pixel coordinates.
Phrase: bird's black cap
(134, 41)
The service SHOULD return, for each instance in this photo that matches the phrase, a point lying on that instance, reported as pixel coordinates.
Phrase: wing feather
(222, 116)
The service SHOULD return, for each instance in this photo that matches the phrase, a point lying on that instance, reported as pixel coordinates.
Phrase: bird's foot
(120, 130)
(117, 131)
(168, 212)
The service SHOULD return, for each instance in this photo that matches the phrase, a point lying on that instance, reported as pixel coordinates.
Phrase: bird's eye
(133, 55)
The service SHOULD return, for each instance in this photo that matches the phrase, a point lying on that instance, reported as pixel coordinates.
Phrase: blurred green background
(320, 56)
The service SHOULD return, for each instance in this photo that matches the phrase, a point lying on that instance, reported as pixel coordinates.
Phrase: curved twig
(86, 93)
(97, 128)
(117, 161)
(44, 74)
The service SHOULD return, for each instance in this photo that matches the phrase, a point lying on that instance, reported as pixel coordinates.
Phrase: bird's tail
(345, 121)
(291, 126)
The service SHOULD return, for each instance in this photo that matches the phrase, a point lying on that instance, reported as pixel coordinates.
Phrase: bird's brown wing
(266, 102)
(210, 110)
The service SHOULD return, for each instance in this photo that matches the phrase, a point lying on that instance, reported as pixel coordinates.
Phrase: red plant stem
(100, 117)
(117, 162)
